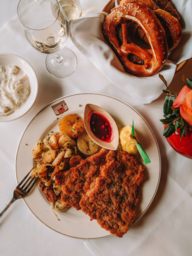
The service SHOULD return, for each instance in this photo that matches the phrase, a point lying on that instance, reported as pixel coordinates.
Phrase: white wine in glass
(47, 40)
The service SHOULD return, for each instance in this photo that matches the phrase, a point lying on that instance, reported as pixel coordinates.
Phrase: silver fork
(22, 190)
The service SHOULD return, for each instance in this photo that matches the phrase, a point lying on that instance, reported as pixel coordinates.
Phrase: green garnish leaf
(168, 119)
(143, 154)
(177, 125)
(167, 108)
(189, 82)
(133, 129)
(183, 132)
(170, 129)
(172, 118)
(140, 149)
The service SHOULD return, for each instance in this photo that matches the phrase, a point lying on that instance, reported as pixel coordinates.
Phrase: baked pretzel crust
(168, 6)
(140, 61)
(167, 16)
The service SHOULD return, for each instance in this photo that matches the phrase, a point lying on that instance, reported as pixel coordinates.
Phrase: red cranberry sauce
(101, 127)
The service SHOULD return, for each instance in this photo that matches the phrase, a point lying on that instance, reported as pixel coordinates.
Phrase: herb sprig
(189, 82)
(172, 118)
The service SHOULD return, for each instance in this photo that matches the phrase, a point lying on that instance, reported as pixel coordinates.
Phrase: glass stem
(67, 28)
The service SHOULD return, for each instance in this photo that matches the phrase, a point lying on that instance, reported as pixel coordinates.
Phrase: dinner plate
(75, 223)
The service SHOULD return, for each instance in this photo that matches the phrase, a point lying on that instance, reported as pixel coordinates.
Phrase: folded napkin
(87, 36)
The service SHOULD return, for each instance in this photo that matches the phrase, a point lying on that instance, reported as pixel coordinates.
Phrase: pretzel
(168, 6)
(165, 5)
(136, 59)
(167, 17)
(172, 28)
(149, 3)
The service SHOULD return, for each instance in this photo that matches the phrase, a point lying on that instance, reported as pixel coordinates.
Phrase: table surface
(166, 227)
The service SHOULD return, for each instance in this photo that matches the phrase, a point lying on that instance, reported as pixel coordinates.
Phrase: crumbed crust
(115, 195)
(107, 187)
(74, 179)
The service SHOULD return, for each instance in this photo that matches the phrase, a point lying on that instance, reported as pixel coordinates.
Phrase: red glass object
(182, 145)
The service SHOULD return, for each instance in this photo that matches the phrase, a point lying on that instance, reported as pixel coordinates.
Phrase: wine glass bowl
(46, 24)
(42, 22)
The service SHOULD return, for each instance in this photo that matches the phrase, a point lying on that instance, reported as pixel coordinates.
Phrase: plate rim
(113, 98)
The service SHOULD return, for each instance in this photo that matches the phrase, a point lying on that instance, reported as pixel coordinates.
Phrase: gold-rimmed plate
(75, 223)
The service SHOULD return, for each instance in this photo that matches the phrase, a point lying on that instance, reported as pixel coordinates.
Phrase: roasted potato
(48, 156)
(65, 141)
(72, 125)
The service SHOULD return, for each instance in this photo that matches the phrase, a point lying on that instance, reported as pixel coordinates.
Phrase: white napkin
(86, 35)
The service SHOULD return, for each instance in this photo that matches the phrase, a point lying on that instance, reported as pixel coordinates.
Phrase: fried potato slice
(86, 145)
(72, 125)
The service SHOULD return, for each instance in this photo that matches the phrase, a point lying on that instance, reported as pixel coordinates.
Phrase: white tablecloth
(164, 230)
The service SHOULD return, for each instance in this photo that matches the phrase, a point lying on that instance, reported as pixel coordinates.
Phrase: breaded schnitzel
(74, 179)
(113, 198)
(107, 187)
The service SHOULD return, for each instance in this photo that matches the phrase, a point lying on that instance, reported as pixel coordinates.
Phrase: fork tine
(26, 182)
(23, 180)
(31, 185)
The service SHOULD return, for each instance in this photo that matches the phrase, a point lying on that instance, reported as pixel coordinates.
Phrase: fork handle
(7, 206)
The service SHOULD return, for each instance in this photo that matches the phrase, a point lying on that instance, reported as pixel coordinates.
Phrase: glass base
(61, 64)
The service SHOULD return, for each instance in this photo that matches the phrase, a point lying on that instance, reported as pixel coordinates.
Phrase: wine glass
(70, 9)
(46, 28)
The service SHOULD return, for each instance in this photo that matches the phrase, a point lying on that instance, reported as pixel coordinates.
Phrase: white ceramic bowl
(11, 59)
